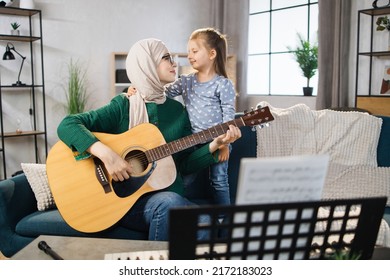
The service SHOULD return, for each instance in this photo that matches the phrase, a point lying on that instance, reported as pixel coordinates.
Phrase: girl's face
(198, 55)
(166, 69)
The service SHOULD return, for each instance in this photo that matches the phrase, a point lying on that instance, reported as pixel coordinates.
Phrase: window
(273, 26)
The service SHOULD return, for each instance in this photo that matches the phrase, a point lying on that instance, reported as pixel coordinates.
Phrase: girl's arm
(174, 89)
(227, 96)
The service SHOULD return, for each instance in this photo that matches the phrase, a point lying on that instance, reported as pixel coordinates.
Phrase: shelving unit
(118, 61)
(34, 89)
(372, 55)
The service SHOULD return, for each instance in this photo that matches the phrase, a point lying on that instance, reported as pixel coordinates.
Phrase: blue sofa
(21, 222)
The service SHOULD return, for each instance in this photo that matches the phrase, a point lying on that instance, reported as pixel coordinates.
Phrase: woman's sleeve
(76, 130)
(197, 160)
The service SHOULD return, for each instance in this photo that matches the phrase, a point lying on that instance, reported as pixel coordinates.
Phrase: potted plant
(76, 89)
(306, 54)
(15, 26)
(382, 23)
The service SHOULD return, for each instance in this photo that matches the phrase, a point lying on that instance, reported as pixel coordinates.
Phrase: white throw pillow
(37, 177)
(350, 138)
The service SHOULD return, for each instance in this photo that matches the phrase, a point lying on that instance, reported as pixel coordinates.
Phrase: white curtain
(333, 53)
(231, 17)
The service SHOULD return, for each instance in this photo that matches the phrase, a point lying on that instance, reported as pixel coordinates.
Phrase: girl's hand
(229, 137)
(117, 167)
(223, 153)
(131, 91)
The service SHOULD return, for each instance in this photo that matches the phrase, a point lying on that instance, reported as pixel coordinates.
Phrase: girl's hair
(214, 40)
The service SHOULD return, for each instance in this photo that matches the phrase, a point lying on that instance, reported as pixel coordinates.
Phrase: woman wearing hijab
(149, 66)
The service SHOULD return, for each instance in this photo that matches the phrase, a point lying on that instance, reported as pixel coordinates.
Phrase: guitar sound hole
(138, 161)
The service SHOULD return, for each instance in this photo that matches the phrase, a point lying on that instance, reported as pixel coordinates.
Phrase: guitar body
(85, 195)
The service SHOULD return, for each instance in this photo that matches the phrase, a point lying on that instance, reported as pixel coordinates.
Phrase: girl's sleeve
(174, 89)
(227, 96)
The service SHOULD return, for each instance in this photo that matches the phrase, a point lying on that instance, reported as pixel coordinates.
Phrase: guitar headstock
(257, 117)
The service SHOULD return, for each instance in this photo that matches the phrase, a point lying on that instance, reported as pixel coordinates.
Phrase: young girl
(209, 97)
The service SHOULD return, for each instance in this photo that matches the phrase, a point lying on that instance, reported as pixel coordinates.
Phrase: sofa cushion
(37, 177)
(383, 151)
(386, 215)
(345, 181)
(51, 223)
(350, 138)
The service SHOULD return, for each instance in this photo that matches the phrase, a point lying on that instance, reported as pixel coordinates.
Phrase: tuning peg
(253, 128)
(260, 126)
(259, 106)
(267, 124)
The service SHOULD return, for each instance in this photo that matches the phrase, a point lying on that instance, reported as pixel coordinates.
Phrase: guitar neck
(191, 140)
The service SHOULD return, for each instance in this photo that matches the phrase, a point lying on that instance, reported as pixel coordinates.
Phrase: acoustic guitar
(87, 197)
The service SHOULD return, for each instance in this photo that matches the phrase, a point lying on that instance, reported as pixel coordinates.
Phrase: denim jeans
(220, 182)
(151, 214)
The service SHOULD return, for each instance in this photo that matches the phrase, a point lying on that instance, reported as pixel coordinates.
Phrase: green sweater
(171, 118)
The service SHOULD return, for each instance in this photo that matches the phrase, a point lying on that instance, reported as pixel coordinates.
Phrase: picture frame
(385, 86)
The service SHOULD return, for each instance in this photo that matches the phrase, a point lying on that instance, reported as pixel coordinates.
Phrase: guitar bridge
(101, 175)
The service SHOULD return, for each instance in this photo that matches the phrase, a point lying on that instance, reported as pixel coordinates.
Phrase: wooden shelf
(377, 11)
(16, 38)
(17, 11)
(23, 133)
(20, 87)
(376, 104)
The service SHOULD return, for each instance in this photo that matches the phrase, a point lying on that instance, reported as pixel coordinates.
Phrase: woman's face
(166, 69)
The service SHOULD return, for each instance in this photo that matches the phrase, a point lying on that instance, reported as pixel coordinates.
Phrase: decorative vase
(6, 3)
(307, 91)
(26, 4)
(15, 32)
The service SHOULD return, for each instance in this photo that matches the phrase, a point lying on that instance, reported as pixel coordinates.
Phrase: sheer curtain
(231, 17)
(333, 53)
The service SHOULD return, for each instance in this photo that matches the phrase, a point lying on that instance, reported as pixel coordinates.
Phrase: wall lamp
(8, 55)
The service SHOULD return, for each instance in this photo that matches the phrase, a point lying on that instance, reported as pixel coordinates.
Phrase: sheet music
(277, 180)
(281, 179)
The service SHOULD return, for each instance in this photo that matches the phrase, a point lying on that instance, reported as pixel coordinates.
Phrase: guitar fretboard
(190, 141)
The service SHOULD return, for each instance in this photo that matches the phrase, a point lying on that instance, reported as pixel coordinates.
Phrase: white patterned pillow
(37, 177)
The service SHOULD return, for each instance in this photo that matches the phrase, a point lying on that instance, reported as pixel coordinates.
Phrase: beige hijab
(141, 67)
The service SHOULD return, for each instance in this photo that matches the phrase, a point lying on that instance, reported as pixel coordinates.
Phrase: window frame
(270, 54)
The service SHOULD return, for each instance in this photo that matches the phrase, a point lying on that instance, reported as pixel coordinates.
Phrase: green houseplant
(76, 89)
(15, 25)
(382, 23)
(306, 55)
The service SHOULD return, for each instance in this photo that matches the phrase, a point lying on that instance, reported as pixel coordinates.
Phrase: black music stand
(304, 230)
